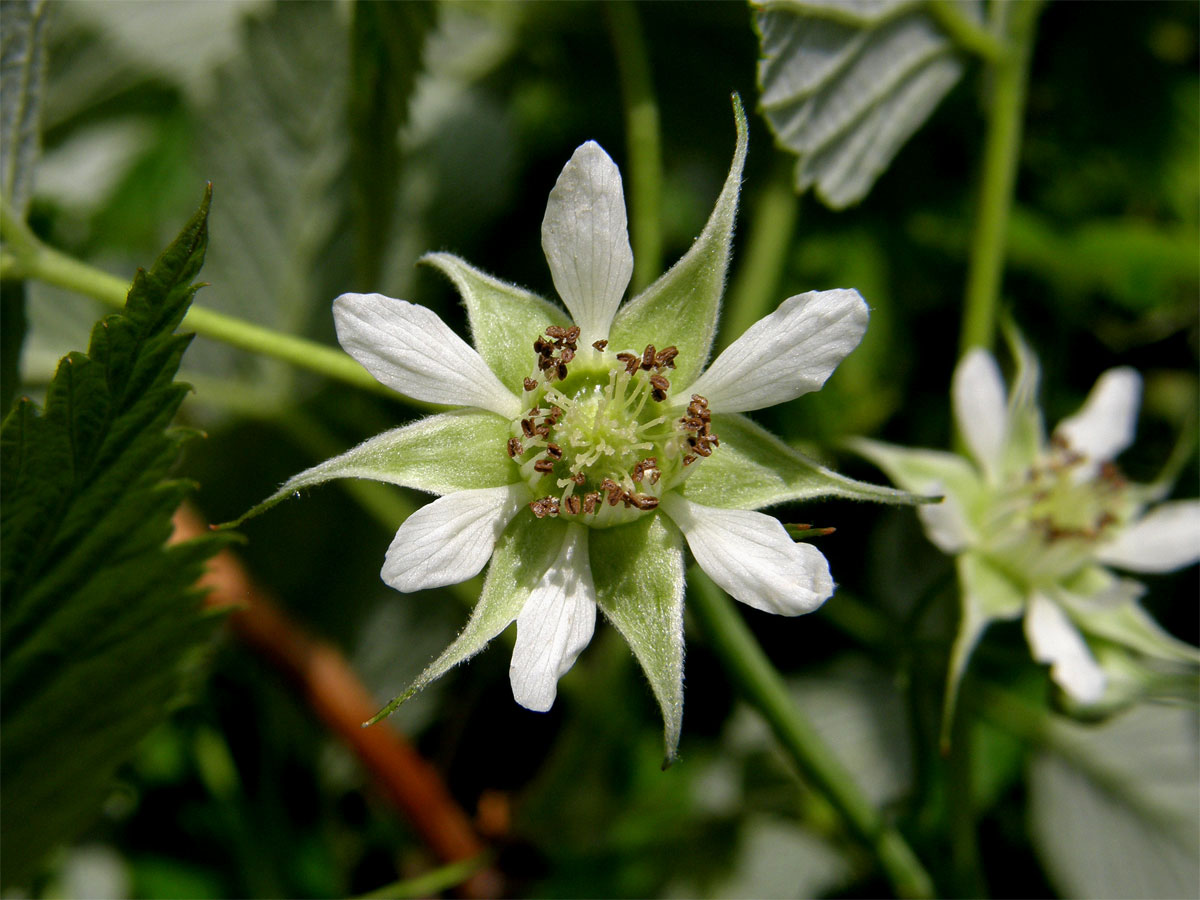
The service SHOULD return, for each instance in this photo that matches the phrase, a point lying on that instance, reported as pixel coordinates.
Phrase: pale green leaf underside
(844, 91)
(453, 451)
(523, 554)
(681, 307)
(22, 59)
(752, 468)
(1115, 809)
(505, 319)
(638, 572)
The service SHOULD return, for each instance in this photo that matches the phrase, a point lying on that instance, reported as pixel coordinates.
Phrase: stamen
(514, 447)
(531, 384)
(600, 345)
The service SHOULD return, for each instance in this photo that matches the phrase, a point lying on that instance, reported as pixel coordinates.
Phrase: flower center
(1050, 522)
(596, 443)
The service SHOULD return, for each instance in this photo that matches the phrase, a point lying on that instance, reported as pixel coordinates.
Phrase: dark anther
(600, 345)
(590, 500)
(658, 395)
(545, 362)
(531, 384)
(571, 335)
(539, 508)
(544, 465)
(645, 501)
(562, 371)
(659, 382)
(556, 331)
(554, 451)
(579, 478)
(514, 447)
(573, 505)
(666, 358)
(567, 355)
(648, 357)
(688, 460)
(527, 427)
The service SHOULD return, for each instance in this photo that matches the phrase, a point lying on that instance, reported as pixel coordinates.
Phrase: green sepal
(505, 319)
(1122, 621)
(752, 468)
(681, 307)
(452, 451)
(638, 573)
(987, 595)
(1026, 432)
(523, 554)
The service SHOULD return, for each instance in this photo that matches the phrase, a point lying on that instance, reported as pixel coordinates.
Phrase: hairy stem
(763, 686)
(643, 141)
(1006, 107)
(27, 257)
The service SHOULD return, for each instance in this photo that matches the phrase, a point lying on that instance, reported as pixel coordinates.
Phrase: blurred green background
(324, 182)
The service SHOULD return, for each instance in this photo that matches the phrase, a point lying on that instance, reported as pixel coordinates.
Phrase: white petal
(946, 523)
(1055, 640)
(751, 556)
(981, 410)
(1105, 425)
(585, 236)
(450, 539)
(555, 624)
(1166, 539)
(409, 349)
(788, 353)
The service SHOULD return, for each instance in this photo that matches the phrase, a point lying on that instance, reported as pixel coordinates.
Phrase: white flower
(585, 451)
(1035, 522)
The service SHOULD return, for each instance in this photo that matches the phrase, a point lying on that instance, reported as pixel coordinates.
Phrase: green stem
(431, 883)
(643, 141)
(1006, 107)
(762, 685)
(755, 291)
(964, 31)
(964, 843)
(28, 257)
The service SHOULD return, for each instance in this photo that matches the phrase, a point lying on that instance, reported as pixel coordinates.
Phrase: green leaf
(638, 572)
(452, 451)
(22, 61)
(386, 43)
(1115, 809)
(505, 319)
(844, 86)
(752, 468)
(523, 554)
(98, 617)
(681, 307)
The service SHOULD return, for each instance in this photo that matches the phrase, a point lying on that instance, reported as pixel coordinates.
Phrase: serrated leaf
(752, 468)
(638, 572)
(22, 60)
(98, 616)
(1115, 809)
(454, 451)
(844, 85)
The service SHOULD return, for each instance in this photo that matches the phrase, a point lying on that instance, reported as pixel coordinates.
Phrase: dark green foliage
(98, 617)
